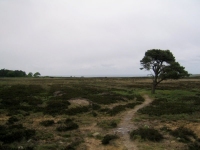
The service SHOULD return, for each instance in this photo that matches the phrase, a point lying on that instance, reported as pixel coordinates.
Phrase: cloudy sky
(96, 37)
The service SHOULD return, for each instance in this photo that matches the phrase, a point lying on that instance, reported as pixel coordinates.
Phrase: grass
(32, 108)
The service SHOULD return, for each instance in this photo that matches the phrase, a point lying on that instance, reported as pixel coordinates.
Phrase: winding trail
(126, 125)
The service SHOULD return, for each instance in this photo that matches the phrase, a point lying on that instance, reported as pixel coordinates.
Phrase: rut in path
(126, 125)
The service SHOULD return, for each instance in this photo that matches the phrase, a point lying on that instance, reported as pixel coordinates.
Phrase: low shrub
(194, 146)
(8, 147)
(68, 120)
(107, 138)
(163, 106)
(107, 124)
(95, 106)
(147, 134)
(184, 134)
(117, 109)
(55, 107)
(104, 110)
(47, 123)
(105, 98)
(139, 98)
(10, 134)
(67, 126)
(94, 114)
(77, 110)
(132, 105)
(12, 120)
(74, 144)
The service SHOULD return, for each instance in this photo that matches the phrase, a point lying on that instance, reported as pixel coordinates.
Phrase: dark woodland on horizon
(17, 73)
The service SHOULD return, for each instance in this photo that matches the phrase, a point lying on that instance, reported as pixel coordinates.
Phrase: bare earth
(126, 125)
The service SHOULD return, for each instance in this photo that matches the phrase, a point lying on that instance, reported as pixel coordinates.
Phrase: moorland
(92, 113)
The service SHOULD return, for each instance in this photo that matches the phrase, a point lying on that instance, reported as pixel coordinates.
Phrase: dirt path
(126, 125)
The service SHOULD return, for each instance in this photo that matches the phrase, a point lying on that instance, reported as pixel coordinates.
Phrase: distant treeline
(17, 73)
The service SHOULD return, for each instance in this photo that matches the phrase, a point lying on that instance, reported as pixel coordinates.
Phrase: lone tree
(37, 74)
(162, 65)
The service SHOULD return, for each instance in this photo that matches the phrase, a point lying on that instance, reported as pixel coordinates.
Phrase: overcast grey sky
(96, 37)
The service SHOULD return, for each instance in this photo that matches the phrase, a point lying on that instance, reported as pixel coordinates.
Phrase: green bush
(147, 134)
(107, 138)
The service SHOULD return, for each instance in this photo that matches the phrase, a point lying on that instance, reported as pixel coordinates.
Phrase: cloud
(95, 37)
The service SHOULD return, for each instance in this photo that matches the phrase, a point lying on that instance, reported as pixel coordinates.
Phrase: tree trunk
(153, 90)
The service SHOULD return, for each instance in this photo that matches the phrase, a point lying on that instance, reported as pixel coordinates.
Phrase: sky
(96, 37)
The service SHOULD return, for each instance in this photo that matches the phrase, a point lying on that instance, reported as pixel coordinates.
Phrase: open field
(91, 113)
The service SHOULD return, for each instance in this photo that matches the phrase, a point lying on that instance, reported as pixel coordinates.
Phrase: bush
(107, 138)
(15, 133)
(96, 106)
(77, 110)
(117, 109)
(139, 98)
(68, 120)
(55, 107)
(132, 105)
(12, 120)
(113, 124)
(94, 114)
(107, 124)
(194, 146)
(163, 106)
(69, 125)
(184, 134)
(74, 144)
(47, 123)
(147, 134)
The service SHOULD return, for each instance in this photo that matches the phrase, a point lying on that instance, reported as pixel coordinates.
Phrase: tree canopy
(162, 65)
(37, 74)
(17, 73)
(12, 73)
